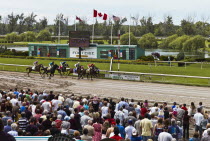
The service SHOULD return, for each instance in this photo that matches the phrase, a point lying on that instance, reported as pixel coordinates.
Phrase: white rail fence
(185, 63)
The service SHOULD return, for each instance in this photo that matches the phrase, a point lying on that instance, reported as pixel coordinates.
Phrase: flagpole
(130, 32)
(75, 28)
(111, 32)
(93, 31)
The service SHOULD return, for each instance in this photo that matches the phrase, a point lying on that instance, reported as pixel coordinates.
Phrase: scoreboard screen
(79, 38)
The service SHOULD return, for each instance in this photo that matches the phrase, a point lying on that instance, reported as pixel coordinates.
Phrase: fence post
(185, 65)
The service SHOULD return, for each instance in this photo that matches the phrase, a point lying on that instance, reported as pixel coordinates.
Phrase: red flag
(105, 17)
(77, 18)
(100, 15)
(95, 13)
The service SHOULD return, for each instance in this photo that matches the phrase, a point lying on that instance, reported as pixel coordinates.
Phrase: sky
(157, 9)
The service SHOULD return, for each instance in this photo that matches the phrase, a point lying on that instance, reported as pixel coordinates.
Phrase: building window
(62, 53)
(34, 52)
(52, 51)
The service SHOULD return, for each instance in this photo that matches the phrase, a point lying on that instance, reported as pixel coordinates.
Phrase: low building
(94, 51)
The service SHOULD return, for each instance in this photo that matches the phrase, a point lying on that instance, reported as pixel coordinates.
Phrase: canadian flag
(95, 13)
(105, 16)
(100, 15)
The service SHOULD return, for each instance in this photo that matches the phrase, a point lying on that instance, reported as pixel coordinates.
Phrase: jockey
(34, 65)
(51, 64)
(63, 63)
(90, 65)
(77, 65)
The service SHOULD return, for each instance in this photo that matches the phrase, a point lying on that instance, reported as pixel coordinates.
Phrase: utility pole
(59, 30)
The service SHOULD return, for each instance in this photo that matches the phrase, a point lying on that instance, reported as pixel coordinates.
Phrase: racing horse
(81, 72)
(37, 69)
(62, 71)
(91, 72)
(50, 71)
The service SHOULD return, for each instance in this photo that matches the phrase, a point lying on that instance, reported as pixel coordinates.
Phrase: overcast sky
(178, 9)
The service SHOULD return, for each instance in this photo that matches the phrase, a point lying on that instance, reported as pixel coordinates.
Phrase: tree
(44, 35)
(194, 43)
(30, 21)
(28, 36)
(165, 43)
(12, 19)
(148, 41)
(124, 40)
(178, 42)
(146, 25)
(188, 27)
(21, 20)
(12, 37)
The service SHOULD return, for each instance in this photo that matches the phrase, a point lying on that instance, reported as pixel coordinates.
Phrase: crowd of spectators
(33, 113)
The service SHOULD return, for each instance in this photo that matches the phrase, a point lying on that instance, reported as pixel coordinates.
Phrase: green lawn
(191, 70)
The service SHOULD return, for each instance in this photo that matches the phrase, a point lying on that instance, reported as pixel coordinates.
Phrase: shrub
(180, 56)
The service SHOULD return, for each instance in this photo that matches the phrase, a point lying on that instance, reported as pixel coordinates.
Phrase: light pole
(59, 30)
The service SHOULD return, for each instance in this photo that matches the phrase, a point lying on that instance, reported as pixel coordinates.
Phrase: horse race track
(107, 88)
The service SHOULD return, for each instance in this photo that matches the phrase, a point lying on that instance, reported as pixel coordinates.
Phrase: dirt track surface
(107, 88)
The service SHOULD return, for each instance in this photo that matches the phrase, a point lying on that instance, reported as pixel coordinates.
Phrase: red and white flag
(95, 13)
(105, 16)
(77, 18)
(100, 14)
(115, 18)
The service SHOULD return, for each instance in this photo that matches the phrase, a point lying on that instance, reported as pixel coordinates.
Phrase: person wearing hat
(129, 129)
(135, 136)
(77, 65)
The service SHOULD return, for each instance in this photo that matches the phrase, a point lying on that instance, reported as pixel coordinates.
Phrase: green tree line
(21, 23)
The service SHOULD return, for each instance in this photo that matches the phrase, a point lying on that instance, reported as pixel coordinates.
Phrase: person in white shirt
(205, 134)
(14, 100)
(129, 129)
(198, 117)
(46, 106)
(56, 103)
(165, 136)
(13, 132)
(104, 110)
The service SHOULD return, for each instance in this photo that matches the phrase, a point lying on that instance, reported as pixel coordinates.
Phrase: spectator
(13, 132)
(85, 135)
(146, 128)
(174, 129)
(186, 124)
(7, 127)
(85, 118)
(3, 135)
(129, 129)
(198, 117)
(6, 117)
(158, 128)
(58, 121)
(32, 128)
(23, 122)
(53, 129)
(90, 128)
(121, 128)
(116, 134)
(195, 137)
(135, 136)
(165, 136)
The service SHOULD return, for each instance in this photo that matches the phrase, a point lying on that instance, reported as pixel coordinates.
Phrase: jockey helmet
(78, 62)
